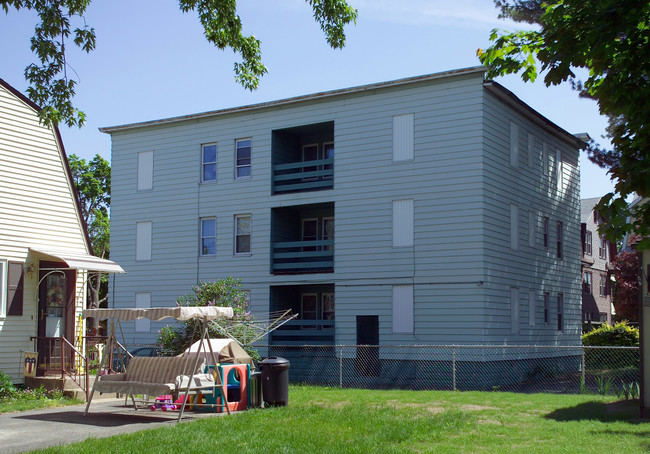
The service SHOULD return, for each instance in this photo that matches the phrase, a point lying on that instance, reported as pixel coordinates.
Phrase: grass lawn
(31, 402)
(363, 421)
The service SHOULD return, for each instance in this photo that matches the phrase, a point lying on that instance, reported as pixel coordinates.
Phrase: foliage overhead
(52, 89)
(627, 285)
(611, 40)
(174, 340)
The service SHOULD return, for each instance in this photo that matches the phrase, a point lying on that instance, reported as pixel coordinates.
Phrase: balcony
(303, 176)
(314, 304)
(303, 158)
(302, 239)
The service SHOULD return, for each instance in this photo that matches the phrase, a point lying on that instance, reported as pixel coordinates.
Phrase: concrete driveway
(38, 429)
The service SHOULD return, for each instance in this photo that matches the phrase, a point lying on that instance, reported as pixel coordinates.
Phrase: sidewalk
(38, 429)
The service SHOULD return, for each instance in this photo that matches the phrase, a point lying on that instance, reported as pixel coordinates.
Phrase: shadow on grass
(624, 411)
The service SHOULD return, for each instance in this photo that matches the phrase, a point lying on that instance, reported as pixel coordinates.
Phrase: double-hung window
(602, 248)
(588, 242)
(242, 158)
(547, 308)
(560, 312)
(545, 224)
(586, 283)
(209, 162)
(242, 234)
(208, 236)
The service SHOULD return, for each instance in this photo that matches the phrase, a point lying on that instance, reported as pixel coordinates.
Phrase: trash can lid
(274, 362)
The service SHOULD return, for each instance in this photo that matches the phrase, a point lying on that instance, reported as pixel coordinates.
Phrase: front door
(56, 305)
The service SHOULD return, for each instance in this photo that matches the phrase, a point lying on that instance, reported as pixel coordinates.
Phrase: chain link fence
(526, 368)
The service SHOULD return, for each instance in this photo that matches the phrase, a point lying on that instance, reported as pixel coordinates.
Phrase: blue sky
(152, 62)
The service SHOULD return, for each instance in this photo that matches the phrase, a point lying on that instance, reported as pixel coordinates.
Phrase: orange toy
(231, 374)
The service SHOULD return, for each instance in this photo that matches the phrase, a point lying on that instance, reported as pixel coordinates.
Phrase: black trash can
(275, 381)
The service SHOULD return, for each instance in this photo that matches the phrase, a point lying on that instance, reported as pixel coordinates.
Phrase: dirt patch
(333, 404)
(471, 407)
(431, 407)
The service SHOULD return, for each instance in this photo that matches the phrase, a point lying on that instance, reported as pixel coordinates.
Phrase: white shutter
(558, 168)
(145, 170)
(403, 132)
(142, 301)
(402, 223)
(531, 308)
(514, 310)
(514, 227)
(143, 240)
(403, 309)
(514, 144)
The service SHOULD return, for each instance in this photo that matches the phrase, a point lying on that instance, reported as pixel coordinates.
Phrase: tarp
(80, 261)
(160, 313)
(226, 350)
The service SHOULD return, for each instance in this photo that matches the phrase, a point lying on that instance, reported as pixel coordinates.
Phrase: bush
(173, 340)
(7, 388)
(618, 335)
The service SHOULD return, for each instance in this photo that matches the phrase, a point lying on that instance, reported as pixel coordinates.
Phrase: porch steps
(67, 385)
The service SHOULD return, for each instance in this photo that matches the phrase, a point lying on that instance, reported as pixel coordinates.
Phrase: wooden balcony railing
(303, 176)
(303, 256)
(304, 332)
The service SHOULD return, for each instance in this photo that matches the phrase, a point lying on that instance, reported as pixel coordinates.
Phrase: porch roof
(79, 261)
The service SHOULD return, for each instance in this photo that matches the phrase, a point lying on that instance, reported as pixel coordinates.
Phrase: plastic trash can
(275, 381)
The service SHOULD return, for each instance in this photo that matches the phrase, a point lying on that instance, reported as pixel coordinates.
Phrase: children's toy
(164, 402)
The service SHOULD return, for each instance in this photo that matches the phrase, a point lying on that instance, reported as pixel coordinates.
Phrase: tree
(611, 40)
(174, 340)
(93, 183)
(52, 89)
(626, 285)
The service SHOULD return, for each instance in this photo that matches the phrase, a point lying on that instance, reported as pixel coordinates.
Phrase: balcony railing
(303, 256)
(304, 332)
(303, 176)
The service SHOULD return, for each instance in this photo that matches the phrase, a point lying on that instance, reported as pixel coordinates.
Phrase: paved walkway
(38, 429)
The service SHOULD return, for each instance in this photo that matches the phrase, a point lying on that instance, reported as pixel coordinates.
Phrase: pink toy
(164, 402)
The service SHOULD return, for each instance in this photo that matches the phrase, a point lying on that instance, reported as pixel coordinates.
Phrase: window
(531, 149)
(310, 153)
(309, 308)
(560, 229)
(402, 223)
(547, 309)
(328, 153)
(143, 241)
(209, 162)
(403, 133)
(403, 309)
(514, 144)
(145, 171)
(514, 227)
(602, 287)
(328, 306)
(588, 241)
(208, 236)
(602, 248)
(242, 234)
(586, 283)
(328, 232)
(603, 317)
(142, 301)
(544, 159)
(546, 232)
(3, 288)
(309, 233)
(560, 312)
(531, 229)
(531, 308)
(514, 310)
(243, 158)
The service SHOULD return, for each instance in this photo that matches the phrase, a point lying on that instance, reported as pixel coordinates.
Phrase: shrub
(173, 340)
(7, 388)
(618, 335)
